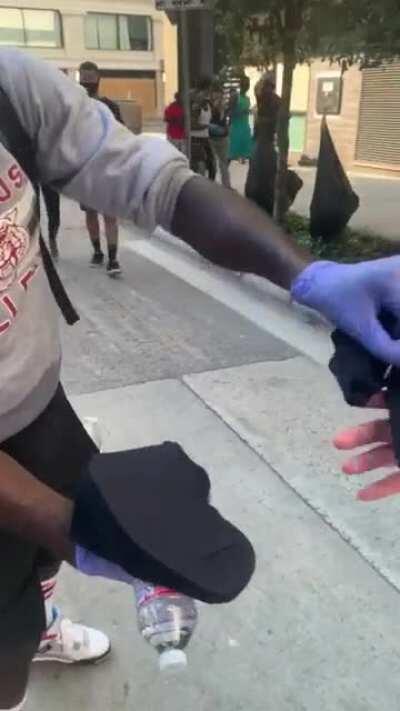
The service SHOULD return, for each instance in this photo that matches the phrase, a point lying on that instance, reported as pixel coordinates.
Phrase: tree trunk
(281, 196)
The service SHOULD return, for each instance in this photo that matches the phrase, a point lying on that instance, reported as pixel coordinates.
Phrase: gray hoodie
(88, 156)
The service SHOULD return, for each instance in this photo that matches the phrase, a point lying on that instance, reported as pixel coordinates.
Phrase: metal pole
(183, 22)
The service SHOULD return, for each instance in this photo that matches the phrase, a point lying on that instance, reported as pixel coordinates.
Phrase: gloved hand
(90, 564)
(352, 296)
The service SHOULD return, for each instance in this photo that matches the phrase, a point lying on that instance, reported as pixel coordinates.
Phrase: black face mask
(91, 89)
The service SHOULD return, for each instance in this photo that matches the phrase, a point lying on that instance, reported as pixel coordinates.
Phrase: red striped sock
(48, 590)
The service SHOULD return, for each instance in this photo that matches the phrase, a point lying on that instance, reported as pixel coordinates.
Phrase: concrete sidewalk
(315, 628)
(155, 358)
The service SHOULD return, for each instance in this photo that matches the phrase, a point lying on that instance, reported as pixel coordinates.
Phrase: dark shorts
(55, 449)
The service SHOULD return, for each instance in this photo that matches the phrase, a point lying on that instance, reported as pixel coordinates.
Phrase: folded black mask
(149, 511)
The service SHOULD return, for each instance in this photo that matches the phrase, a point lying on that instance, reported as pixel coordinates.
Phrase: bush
(350, 246)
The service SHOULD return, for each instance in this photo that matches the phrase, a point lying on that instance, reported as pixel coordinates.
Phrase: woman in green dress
(241, 143)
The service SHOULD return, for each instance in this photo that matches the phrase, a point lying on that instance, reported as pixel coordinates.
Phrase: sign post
(182, 7)
(183, 30)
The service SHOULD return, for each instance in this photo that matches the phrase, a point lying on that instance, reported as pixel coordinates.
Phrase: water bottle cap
(173, 660)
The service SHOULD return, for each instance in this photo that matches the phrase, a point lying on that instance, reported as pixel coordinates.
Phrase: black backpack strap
(57, 287)
(15, 139)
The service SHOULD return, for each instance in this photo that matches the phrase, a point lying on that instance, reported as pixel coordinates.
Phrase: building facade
(363, 111)
(134, 45)
(338, 96)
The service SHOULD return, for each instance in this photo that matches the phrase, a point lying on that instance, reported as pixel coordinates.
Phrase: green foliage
(364, 31)
(257, 31)
(351, 246)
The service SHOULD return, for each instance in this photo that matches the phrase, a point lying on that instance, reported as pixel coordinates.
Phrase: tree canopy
(258, 31)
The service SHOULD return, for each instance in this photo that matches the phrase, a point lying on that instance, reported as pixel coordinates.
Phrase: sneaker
(113, 268)
(54, 250)
(97, 260)
(69, 643)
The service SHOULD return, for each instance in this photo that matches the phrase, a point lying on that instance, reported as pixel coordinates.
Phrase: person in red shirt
(174, 117)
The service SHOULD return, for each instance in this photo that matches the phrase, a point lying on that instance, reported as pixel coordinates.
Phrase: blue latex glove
(352, 296)
(90, 564)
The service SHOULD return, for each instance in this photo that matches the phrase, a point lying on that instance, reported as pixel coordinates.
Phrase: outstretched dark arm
(234, 233)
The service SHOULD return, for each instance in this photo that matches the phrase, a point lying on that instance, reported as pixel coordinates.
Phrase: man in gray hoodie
(81, 151)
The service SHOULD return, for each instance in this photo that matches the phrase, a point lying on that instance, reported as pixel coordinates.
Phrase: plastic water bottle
(166, 620)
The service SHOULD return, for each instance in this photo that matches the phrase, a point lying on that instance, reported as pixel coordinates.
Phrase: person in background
(261, 178)
(268, 107)
(174, 117)
(52, 202)
(241, 143)
(232, 101)
(89, 75)
(219, 134)
(203, 159)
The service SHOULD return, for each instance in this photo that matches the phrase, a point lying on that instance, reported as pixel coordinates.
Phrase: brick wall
(343, 127)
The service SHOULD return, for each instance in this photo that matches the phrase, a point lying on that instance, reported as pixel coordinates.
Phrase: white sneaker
(69, 643)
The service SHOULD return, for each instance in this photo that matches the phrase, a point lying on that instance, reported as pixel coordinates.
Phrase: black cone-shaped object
(334, 201)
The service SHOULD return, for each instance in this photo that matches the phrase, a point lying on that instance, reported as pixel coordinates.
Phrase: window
(91, 37)
(42, 28)
(30, 28)
(135, 32)
(121, 32)
(108, 32)
(11, 28)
